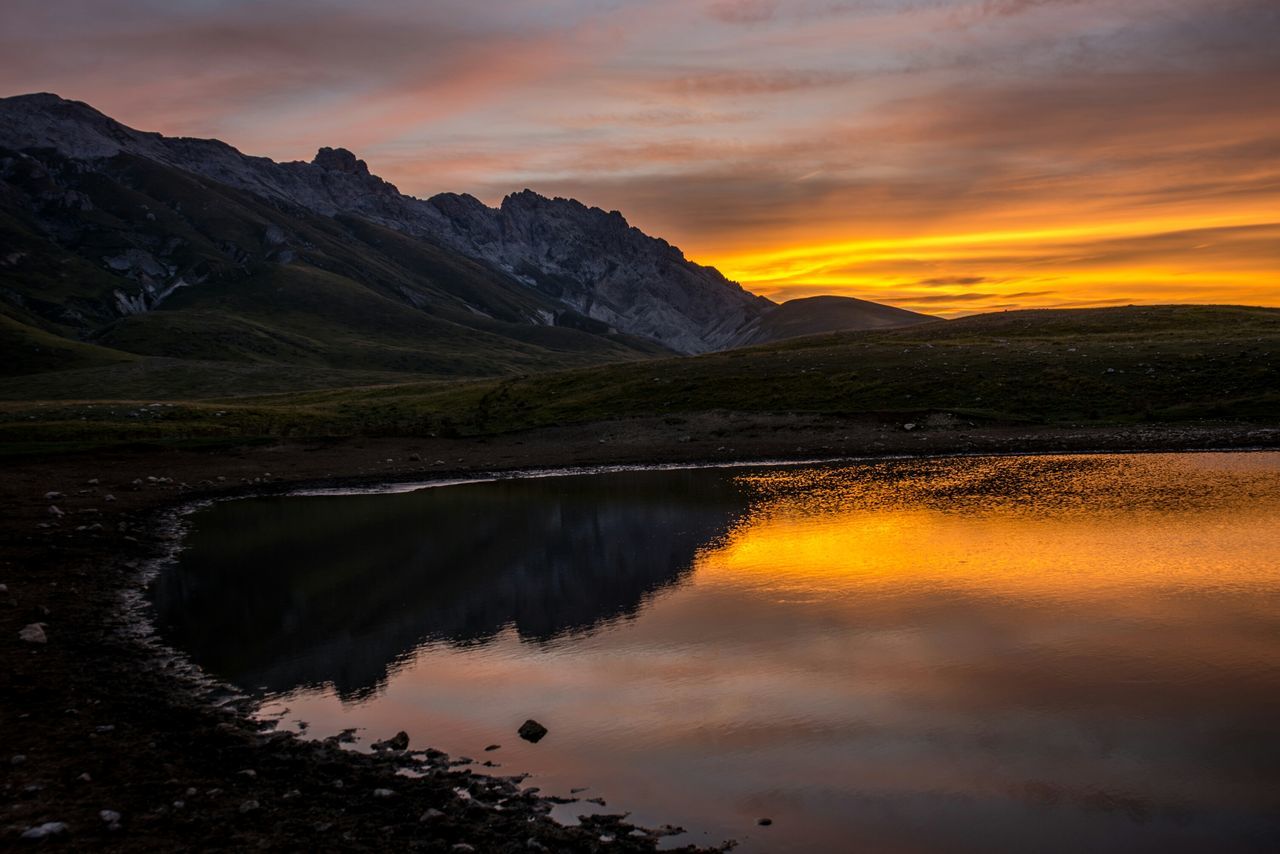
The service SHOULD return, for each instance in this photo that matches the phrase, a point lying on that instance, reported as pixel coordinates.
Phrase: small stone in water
(399, 741)
(765, 822)
(531, 731)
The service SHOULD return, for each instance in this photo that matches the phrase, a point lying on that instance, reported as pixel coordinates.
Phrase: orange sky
(949, 156)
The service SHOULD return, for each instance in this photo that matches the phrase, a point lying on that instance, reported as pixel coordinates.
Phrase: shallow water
(977, 654)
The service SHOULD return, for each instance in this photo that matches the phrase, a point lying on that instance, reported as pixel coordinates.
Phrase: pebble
(765, 822)
(431, 815)
(493, 747)
(42, 831)
(53, 496)
(17, 759)
(399, 741)
(109, 816)
(384, 793)
(531, 731)
(56, 511)
(85, 778)
(249, 806)
(33, 633)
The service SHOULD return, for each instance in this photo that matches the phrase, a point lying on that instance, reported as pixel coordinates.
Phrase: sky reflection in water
(1059, 653)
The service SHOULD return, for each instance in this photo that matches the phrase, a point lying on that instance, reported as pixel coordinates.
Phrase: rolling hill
(1133, 365)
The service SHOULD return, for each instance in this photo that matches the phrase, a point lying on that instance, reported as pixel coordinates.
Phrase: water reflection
(1070, 653)
(282, 592)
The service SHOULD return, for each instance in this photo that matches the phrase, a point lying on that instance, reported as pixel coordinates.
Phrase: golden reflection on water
(1076, 530)
(1057, 653)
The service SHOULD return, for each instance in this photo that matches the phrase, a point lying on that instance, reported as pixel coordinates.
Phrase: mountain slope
(138, 256)
(602, 267)
(1136, 365)
(583, 261)
(818, 315)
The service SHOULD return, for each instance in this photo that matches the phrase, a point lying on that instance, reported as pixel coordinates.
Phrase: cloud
(750, 82)
(953, 280)
(849, 134)
(1005, 8)
(972, 296)
(743, 11)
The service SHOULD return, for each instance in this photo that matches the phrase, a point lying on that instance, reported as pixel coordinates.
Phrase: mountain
(123, 244)
(816, 315)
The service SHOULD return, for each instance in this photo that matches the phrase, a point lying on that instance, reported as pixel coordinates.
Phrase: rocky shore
(113, 742)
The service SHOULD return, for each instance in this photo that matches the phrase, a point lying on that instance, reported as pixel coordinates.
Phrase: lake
(1058, 653)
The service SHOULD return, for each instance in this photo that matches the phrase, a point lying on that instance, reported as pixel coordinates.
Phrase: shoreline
(169, 747)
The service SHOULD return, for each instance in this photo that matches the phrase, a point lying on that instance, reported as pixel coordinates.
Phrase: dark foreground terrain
(100, 718)
(112, 741)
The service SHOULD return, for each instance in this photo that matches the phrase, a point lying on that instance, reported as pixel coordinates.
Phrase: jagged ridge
(590, 261)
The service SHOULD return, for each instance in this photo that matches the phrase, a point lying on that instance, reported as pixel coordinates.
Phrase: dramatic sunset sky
(948, 156)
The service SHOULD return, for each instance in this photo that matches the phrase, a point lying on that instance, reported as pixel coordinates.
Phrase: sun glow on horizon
(949, 156)
(1187, 258)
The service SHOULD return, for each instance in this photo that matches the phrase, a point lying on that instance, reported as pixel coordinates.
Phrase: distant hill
(1134, 365)
(816, 315)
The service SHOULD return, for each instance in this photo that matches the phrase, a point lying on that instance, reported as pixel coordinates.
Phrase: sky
(947, 156)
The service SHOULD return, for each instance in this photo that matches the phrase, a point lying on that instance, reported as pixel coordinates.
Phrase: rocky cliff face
(602, 267)
(591, 262)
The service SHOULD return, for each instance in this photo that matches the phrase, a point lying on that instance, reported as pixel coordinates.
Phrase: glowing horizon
(947, 156)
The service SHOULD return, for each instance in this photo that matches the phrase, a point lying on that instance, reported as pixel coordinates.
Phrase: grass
(265, 285)
(1172, 364)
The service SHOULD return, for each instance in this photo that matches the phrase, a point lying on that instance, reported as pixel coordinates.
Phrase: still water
(1075, 653)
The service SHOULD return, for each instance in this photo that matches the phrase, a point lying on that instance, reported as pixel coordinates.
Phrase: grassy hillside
(817, 315)
(28, 349)
(1122, 365)
(261, 284)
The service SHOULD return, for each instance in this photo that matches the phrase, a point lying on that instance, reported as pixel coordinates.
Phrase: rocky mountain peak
(340, 160)
(590, 261)
(599, 265)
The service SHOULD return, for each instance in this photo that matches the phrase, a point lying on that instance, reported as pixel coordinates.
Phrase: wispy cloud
(743, 11)
(1135, 145)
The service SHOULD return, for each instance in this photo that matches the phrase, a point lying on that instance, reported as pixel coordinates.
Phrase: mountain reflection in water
(1073, 653)
(274, 593)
